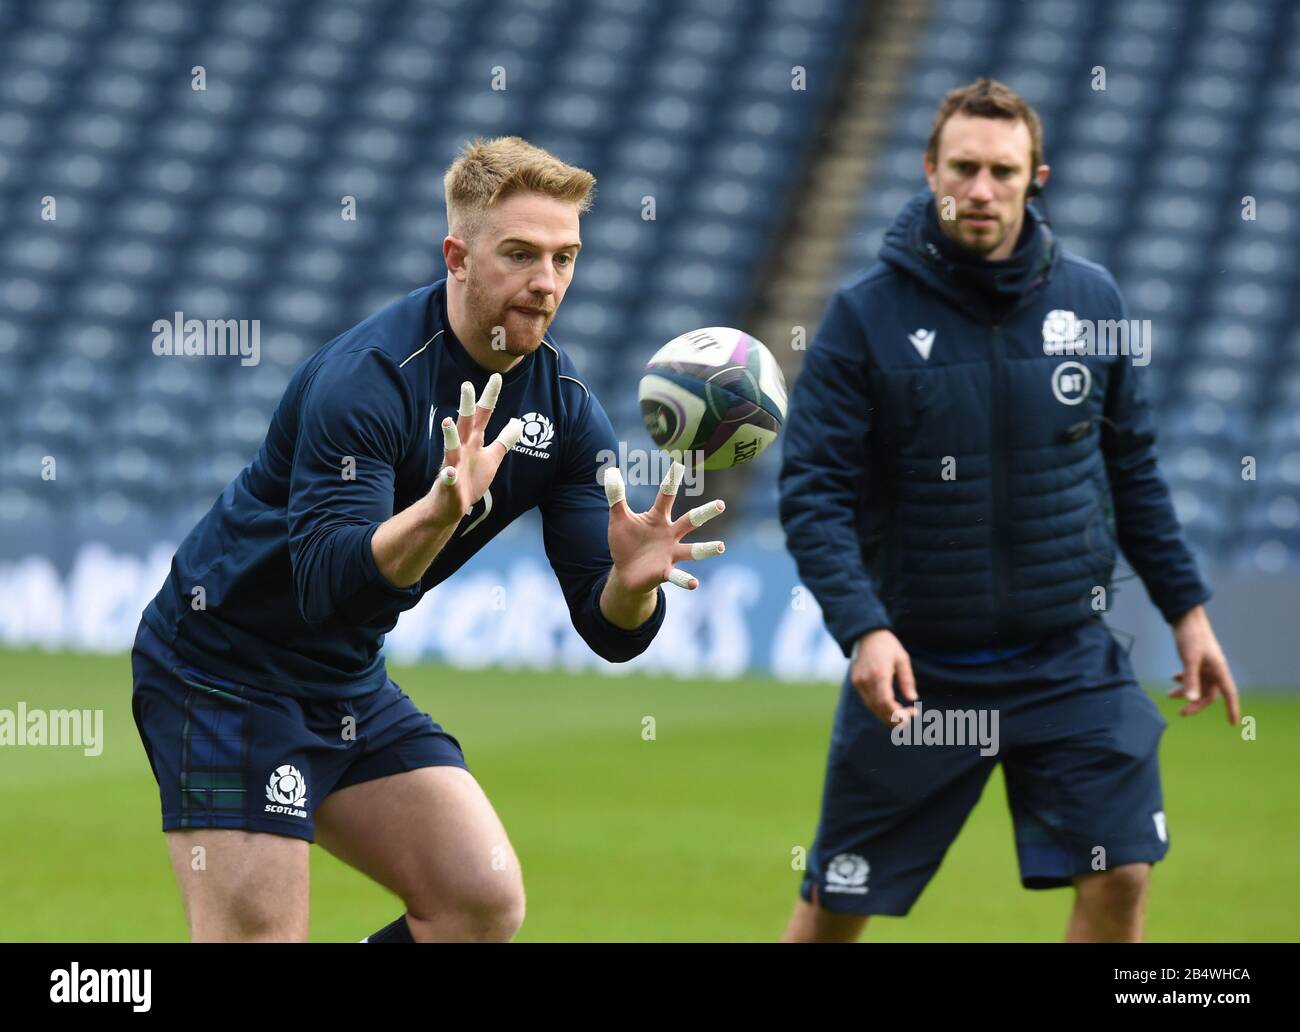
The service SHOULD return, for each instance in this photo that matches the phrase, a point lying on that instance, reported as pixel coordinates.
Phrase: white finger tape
(615, 492)
(672, 479)
(701, 514)
(511, 432)
(466, 399)
(450, 438)
(680, 577)
(491, 392)
(706, 549)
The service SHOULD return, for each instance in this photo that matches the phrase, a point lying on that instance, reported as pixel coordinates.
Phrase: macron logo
(923, 341)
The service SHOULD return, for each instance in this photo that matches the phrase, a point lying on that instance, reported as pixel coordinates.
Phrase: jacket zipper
(1000, 421)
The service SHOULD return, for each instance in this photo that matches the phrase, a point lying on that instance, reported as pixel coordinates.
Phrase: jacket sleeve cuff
(1172, 607)
(874, 618)
(371, 592)
(618, 644)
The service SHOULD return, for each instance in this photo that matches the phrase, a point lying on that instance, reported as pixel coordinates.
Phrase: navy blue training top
(277, 586)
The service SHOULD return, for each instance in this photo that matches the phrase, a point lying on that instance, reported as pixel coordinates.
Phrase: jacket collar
(988, 290)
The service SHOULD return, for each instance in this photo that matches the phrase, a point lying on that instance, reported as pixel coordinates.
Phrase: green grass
(686, 837)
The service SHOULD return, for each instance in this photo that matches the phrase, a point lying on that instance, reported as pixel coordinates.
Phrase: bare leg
(242, 886)
(813, 923)
(431, 837)
(1110, 906)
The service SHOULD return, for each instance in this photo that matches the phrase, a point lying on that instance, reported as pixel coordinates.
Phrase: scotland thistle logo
(536, 437)
(1061, 333)
(287, 791)
(847, 873)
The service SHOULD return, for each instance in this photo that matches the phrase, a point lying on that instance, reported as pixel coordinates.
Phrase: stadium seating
(1201, 109)
(226, 203)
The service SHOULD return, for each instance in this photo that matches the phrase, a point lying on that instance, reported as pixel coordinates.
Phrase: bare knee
(1121, 890)
(496, 914)
(489, 910)
(249, 911)
(246, 921)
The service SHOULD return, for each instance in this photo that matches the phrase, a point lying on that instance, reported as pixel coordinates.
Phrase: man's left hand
(1205, 670)
(646, 546)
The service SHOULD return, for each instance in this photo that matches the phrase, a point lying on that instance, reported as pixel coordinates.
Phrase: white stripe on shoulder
(566, 376)
(423, 348)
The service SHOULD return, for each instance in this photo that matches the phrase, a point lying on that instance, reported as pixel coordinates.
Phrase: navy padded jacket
(947, 472)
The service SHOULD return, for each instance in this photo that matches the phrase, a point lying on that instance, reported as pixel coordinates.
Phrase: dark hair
(988, 98)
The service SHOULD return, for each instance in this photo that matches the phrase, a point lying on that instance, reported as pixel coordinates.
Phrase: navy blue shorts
(1077, 738)
(227, 755)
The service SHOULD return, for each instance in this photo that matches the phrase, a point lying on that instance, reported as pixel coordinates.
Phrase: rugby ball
(716, 393)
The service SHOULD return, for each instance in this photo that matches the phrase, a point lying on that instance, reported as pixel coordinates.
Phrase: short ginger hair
(488, 171)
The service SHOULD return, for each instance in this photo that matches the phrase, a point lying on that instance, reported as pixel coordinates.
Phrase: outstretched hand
(469, 465)
(646, 546)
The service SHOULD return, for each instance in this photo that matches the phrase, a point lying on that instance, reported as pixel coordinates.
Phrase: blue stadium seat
(226, 202)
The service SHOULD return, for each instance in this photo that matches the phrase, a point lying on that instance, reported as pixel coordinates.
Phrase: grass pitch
(688, 836)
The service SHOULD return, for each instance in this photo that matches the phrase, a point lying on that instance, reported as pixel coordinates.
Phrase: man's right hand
(878, 658)
(407, 543)
(468, 465)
